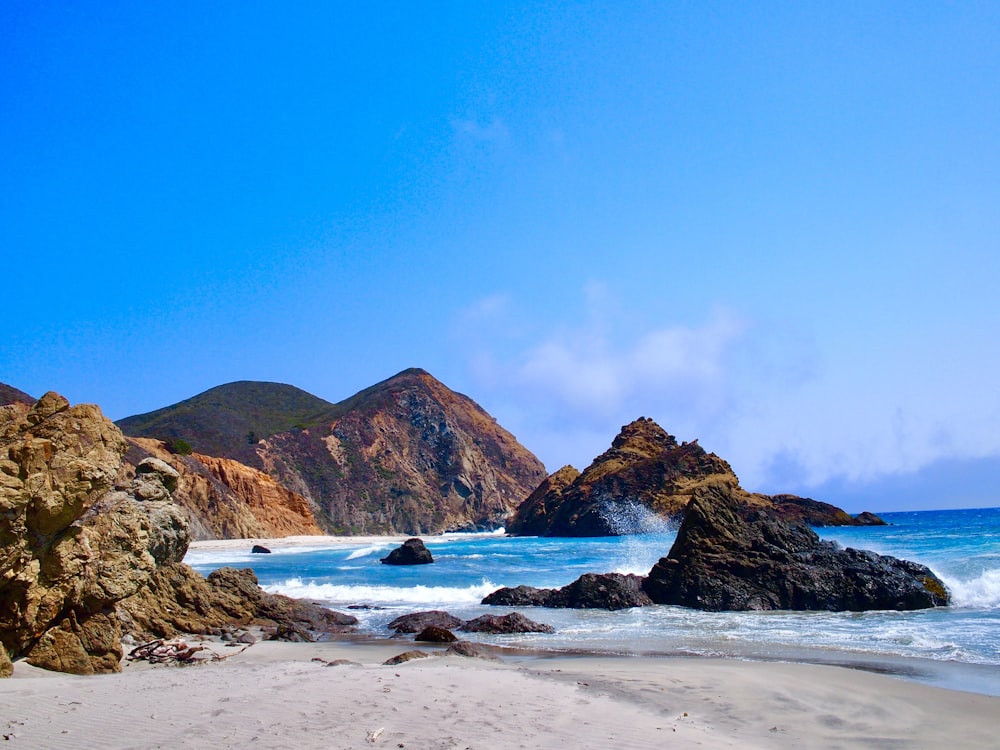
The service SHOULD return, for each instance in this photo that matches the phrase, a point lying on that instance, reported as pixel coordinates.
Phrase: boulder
(259, 549)
(434, 634)
(724, 560)
(417, 621)
(470, 650)
(514, 622)
(867, 518)
(612, 591)
(411, 552)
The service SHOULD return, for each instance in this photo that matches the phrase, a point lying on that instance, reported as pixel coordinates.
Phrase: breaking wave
(359, 594)
(979, 593)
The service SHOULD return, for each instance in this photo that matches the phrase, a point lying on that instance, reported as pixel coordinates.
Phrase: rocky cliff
(405, 456)
(225, 499)
(646, 474)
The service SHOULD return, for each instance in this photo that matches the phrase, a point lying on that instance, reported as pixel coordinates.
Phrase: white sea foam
(365, 551)
(340, 594)
(982, 592)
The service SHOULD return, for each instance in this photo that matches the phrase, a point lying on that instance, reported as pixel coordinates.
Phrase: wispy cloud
(492, 131)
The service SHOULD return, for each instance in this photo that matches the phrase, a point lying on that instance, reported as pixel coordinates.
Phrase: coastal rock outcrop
(405, 456)
(611, 591)
(724, 560)
(646, 479)
(91, 548)
(411, 552)
(72, 547)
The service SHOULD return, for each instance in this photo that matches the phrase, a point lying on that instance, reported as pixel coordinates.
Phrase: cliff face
(225, 499)
(646, 471)
(406, 456)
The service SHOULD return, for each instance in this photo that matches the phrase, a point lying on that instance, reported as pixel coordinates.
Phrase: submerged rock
(434, 634)
(411, 552)
(612, 591)
(723, 560)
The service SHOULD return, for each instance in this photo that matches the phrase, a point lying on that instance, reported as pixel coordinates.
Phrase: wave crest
(341, 594)
(978, 593)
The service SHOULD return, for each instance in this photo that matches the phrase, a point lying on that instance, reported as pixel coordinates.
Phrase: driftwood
(178, 652)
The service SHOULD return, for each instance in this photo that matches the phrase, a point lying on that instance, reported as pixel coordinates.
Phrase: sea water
(961, 546)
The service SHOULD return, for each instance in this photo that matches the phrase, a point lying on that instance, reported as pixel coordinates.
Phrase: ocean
(956, 646)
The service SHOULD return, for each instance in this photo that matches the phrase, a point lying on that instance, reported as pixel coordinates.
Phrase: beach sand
(273, 695)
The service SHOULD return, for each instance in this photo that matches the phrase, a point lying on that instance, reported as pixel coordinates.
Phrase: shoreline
(275, 695)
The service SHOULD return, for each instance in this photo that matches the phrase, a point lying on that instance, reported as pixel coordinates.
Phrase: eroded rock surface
(411, 552)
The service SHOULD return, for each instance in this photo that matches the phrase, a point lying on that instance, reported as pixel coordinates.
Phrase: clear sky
(774, 227)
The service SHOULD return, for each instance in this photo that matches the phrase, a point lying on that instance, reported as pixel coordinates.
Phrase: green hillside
(228, 419)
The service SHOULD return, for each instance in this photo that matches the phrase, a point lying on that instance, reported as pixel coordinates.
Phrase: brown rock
(434, 634)
(514, 622)
(405, 657)
(417, 621)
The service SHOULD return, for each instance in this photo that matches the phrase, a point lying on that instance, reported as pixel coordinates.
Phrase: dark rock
(434, 634)
(520, 596)
(514, 622)
(610, 591)
(869, 519)
(246, 638)
(405, 657)
(722, 560)
(259, 549)
(417, 621)
(412, 552)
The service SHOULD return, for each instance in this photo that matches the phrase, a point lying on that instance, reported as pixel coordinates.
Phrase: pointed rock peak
(49, 404)
(643, 437)
(11, 395)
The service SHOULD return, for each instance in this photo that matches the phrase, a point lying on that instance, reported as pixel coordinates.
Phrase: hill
(405, 456)
(11, 395)
(229, 420)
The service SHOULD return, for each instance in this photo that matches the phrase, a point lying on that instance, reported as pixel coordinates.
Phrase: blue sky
(774, 227)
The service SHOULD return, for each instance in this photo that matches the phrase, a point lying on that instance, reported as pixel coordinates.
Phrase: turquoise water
(962, 547)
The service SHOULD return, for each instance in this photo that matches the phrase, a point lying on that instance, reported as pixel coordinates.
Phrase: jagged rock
(722, 560)
(645, 479)
(405, 657)
(434, 634)
(405, 456)
(612, 591)
(260, 549)
(417, 621)
(514, 622)
(411, 552)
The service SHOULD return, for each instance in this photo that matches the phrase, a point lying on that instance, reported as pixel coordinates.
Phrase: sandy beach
(276, 695)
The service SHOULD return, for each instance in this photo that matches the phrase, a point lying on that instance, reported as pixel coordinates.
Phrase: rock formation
(410, 552)
(722, 560)
(406, 456)
(11, 395)
(646, 476)
(89, 550)
(611, 591)
(71, 547)
(226, 499)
